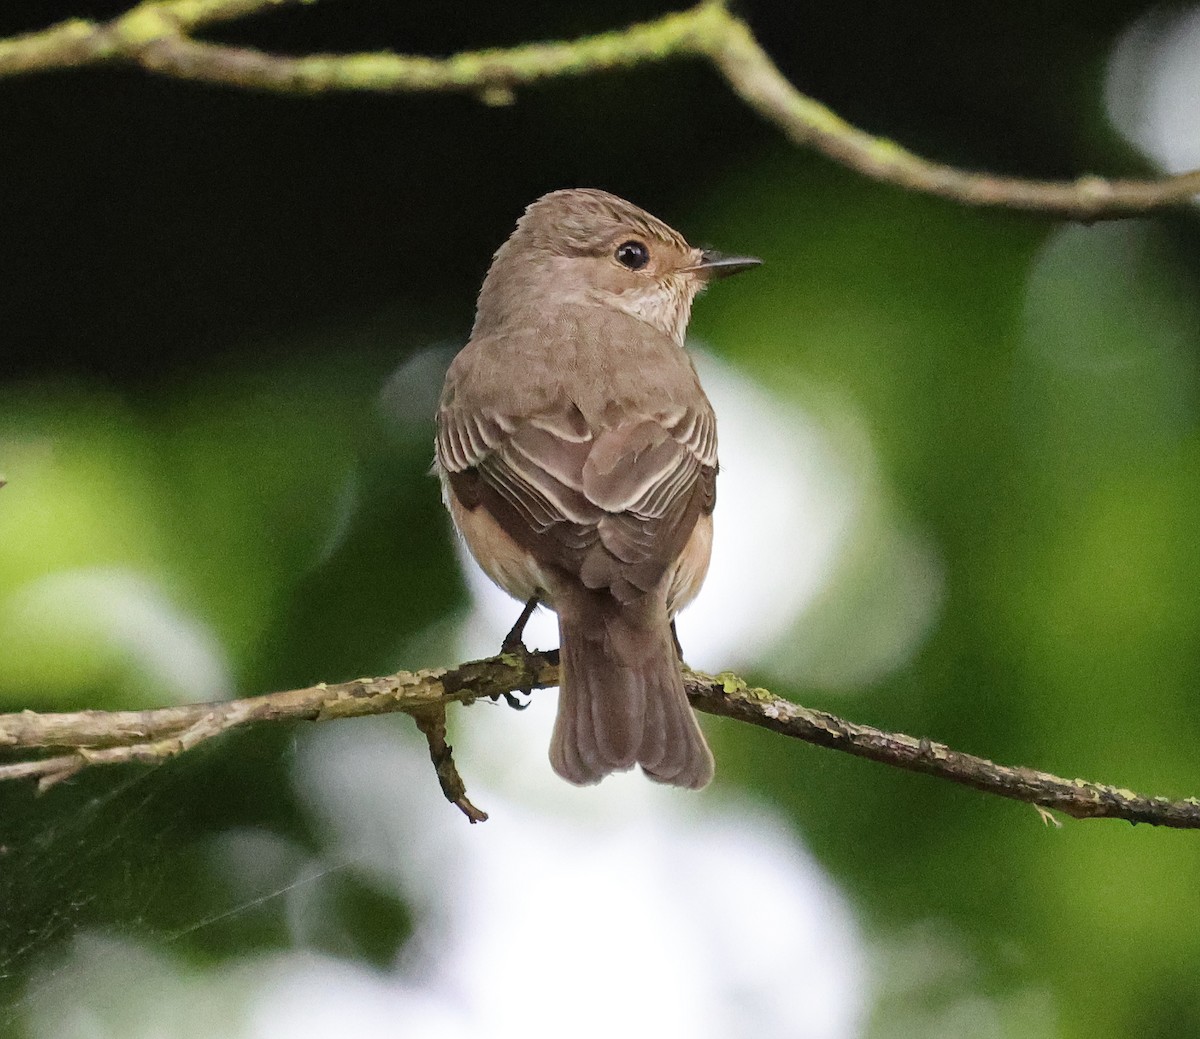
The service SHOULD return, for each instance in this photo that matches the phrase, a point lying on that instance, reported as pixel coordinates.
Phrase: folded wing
(613, 506)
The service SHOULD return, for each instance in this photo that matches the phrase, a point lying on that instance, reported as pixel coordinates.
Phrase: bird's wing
(612, 506)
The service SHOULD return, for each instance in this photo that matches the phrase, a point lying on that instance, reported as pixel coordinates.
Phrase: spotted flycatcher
(578, 458)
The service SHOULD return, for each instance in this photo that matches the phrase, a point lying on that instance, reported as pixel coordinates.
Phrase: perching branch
(118, 737)
(156, 35)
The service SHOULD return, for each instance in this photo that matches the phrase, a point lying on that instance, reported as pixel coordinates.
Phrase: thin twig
(729, 696)
(108, 738)
(156, 36)
(757, 81)
(432, 723)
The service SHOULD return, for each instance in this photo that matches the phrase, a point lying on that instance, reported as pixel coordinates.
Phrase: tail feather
(621, 699)
(667, 752)
(657, 735)
(564, 748)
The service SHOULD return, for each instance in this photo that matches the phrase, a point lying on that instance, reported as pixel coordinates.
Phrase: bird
(577, 454)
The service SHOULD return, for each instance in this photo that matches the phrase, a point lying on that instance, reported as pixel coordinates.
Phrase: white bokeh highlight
(125, 619)
(1153, 87)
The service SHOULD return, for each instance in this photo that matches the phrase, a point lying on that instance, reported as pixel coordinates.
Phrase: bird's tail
(621, 700)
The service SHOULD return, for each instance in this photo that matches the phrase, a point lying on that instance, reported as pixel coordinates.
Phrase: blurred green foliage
(196, 359)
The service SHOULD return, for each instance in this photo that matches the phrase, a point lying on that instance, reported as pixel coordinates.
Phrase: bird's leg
(514, 642)
(515, 639)
(675, 639)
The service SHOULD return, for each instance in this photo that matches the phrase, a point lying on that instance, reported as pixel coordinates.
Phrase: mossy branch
(157, 36)
(92, 738)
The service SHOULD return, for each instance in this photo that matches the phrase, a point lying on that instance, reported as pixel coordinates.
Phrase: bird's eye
(633, 254)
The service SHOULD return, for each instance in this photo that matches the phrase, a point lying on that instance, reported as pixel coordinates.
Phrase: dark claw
(514, 702)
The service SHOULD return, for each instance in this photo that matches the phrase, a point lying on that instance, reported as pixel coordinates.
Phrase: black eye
(633, 254)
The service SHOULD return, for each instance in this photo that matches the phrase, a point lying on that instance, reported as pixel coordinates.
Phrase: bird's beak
(717, 265)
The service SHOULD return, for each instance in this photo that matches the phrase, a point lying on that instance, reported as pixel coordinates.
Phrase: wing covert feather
(612, 505)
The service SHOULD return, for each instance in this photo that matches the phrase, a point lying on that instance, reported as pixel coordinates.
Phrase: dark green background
(203, 290)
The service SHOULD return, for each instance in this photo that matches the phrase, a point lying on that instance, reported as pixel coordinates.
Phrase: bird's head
(584, 246)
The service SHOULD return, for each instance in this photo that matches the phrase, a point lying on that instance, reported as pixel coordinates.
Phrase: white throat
(665, 305)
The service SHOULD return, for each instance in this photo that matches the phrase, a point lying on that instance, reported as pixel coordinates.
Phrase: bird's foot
(514, 645)
(514, 701)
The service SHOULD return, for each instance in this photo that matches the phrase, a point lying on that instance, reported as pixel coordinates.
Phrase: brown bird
(578, 458)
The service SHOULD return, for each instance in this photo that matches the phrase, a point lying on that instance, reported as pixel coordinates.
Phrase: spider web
(197, 857)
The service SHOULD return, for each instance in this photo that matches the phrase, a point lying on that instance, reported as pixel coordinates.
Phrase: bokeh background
(224, 322)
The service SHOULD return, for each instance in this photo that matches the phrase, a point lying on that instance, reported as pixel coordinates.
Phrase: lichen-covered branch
(728, 696)
(758, 82)
(91, 738)
(157, 36)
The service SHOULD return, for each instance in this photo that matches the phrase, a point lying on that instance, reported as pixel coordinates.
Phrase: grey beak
(717, 265)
